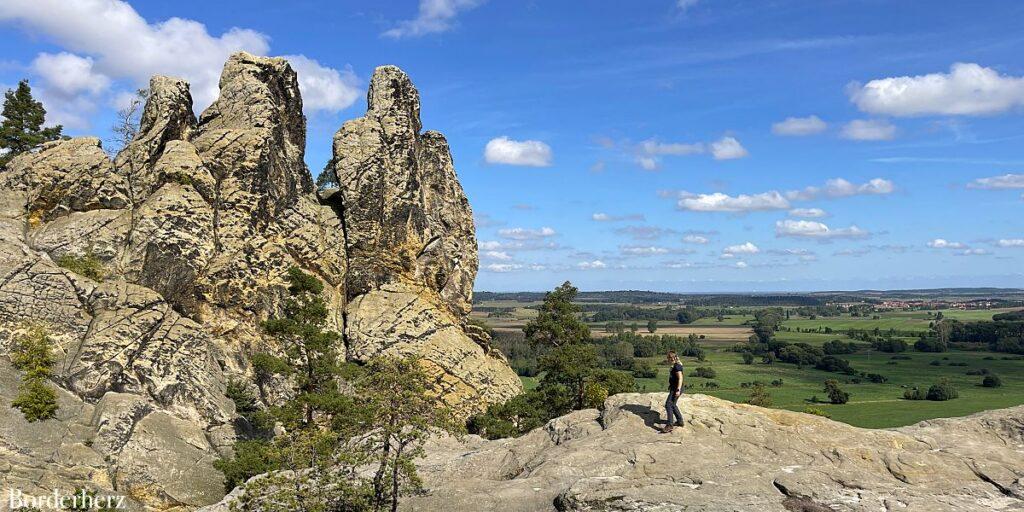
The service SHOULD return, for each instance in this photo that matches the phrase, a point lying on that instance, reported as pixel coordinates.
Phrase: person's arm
(679, 383)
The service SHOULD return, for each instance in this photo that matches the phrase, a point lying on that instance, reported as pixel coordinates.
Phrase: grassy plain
(870, 405)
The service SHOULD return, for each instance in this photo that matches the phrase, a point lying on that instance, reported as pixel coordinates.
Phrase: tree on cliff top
(22, 127)
(557, 323)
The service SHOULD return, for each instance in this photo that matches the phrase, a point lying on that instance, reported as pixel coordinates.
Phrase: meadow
(870, 405)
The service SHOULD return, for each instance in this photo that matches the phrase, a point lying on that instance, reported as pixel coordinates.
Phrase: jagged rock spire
(406, 215)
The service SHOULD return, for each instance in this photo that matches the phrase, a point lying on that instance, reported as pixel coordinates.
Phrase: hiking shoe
(666, 429)
(680, 423)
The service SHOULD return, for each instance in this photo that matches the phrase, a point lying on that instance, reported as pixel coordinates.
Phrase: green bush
(87, 265)
(992, 381)
(875, 378)
(816, 411)
(942, 391)
(246, 405)
(914, 394)
(759, 396)
(643, 370)
(929, 345)
(36, 400)
(704, 372)
(251, 458)
(835, 394)
(748, 358)
(835, 365)
(837, 347)
(32, 353)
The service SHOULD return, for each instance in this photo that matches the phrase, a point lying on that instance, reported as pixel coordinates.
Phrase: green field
(870, 405)
(899, 320)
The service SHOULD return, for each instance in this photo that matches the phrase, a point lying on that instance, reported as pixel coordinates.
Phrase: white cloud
(69, 74)
(744, 248)
(868, 129)
(719, 202)
(775, 200)
(639, 250)
(647, 163)
(325, 88)
(531, 153)
(502, 267)
(685, 5)
(652, 147)
(813, 229)
(808, 213)
(799, 126)
(973, 252)
(968, 89)
(526, 234)
(728, 148)
(604, 217)
(434, 16)
(644, 232)
(496, 255)
(591, 265)
(1011, 242)
(941, 243)
(1006, 181)
(540, 244)
(648, 151)
(839, 187)
(125, 46)
(741, 264)
(695, 239)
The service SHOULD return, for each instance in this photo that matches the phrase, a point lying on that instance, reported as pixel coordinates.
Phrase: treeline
(644, 297)
(1005, 333)
(625, 313)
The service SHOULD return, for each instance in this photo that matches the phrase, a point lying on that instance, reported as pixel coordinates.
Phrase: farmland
(870, 404)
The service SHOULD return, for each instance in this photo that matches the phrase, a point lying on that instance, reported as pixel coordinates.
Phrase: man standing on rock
(675, 389)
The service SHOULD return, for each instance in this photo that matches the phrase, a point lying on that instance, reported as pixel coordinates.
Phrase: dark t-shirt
(674, 375)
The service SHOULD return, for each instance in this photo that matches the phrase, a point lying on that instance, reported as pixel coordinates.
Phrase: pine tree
(22, 127)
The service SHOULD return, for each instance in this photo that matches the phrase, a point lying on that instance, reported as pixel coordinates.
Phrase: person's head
(671, 357)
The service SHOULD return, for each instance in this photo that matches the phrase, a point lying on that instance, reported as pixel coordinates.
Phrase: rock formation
(195, 224)
(732, 457)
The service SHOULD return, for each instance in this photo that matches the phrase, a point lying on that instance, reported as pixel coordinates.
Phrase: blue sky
(675, 145)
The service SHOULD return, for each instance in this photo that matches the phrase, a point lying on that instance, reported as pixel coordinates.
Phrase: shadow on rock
(651, 417)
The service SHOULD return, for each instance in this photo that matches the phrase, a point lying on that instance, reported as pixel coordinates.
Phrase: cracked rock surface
(732, 457)
(194, 225)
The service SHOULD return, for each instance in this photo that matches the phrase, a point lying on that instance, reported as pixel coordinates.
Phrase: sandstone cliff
(728, 458)
(732, 457)
(195, 223)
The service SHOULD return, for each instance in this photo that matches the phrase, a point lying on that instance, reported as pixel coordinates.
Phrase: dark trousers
(672, 409)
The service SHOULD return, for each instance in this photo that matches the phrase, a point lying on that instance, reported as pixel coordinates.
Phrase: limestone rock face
(731, 457)
(192, 229)
(407, 219)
